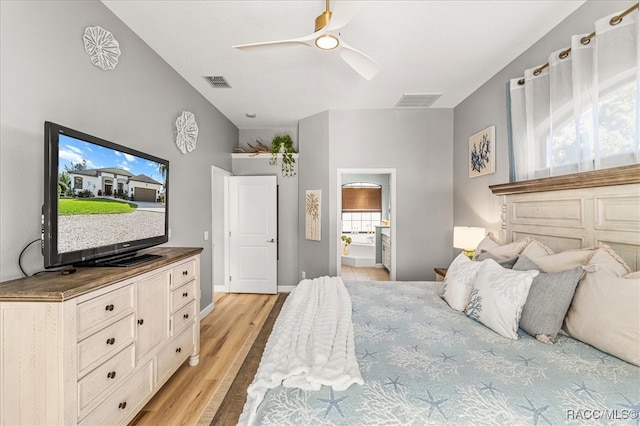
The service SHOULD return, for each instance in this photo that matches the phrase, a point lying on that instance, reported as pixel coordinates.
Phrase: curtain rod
(584, 40)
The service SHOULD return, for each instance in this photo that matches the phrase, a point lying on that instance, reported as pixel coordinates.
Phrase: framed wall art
(312, 216)
(482, 152)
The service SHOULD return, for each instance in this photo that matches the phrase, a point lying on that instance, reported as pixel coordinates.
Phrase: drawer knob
(185, 273)
(178, 350)
(185, 316)
(111, 341)
(141, 321)
(122, 405)
(111, 375)
(185, 294)
(109, 307)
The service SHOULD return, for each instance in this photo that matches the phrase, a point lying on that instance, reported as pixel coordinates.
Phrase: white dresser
(94, 346)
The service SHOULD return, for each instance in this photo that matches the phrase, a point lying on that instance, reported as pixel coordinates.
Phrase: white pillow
(458, 281)
(497, 297)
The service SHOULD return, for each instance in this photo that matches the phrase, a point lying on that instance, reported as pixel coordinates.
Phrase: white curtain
(582, 111)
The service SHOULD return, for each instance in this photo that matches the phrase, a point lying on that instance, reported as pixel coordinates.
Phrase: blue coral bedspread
(424, 363)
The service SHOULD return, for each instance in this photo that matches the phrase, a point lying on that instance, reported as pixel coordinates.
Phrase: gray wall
(313, 170)
(46, 75)
(418, 144)
(474, 204)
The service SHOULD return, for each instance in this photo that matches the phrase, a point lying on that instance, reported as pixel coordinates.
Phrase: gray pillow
(502, 261)
(548, 300)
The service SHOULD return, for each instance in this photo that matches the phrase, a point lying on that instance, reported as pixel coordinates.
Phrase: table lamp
(467, 238)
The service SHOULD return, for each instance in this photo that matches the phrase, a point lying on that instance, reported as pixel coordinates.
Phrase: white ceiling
(436, 47)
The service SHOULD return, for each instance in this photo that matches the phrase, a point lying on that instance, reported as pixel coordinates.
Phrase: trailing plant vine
(283, 145)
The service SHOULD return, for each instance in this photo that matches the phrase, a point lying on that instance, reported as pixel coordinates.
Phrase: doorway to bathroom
(365, 235)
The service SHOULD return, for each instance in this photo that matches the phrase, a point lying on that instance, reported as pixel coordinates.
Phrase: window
(361, 207)
(77, 182)
(579, 112)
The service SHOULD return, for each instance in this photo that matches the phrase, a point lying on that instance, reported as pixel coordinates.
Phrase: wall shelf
(249, 155)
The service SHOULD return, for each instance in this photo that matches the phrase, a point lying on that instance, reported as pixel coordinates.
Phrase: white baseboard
(281, 289)
(206, 311)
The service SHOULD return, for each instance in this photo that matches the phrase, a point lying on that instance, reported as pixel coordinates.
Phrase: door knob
(273, 240)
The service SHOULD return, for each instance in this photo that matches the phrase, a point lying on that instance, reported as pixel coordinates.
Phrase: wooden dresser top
(54, 286)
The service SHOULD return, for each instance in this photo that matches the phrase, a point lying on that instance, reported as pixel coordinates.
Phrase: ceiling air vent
(417, 100)
(217, 81)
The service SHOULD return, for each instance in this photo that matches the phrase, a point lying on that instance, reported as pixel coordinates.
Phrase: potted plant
(283, 145)
(345, 244)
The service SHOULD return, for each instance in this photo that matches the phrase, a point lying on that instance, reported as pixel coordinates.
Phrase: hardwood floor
(350, 273)
(222, 335)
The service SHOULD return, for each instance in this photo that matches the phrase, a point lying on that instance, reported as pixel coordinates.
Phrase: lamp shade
(466, 237)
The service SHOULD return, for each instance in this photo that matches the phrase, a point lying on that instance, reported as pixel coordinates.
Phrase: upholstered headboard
(577, 211)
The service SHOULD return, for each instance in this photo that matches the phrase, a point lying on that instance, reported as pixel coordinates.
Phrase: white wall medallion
(186, 132)
(102, 47)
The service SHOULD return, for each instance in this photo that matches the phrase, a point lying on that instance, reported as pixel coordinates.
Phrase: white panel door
(253, 234)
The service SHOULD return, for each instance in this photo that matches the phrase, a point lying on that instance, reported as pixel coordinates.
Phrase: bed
(424, 362)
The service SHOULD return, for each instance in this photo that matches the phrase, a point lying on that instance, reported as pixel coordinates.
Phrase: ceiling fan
(326, 36)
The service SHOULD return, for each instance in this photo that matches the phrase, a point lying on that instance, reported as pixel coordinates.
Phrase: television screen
(101, 199)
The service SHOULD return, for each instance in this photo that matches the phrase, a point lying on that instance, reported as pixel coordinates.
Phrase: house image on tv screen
(114, 182)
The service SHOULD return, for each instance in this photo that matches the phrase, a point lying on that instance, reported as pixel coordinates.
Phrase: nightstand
(440, 273)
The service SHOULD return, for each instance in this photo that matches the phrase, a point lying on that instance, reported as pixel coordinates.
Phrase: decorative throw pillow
(506, 250)
(489, 242)
(548, 300)
(605, 257)
(504, 262)
(536, 249)
(498, 296)
(605, 311)
(564, 260)
(458, 281)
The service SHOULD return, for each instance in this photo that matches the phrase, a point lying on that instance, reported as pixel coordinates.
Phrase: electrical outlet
(206, 235)
(303, 275)
(169, 233)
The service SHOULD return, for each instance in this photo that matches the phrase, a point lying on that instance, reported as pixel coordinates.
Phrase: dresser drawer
(183, 317)
(105, 377)
(103, 344)
(175, 353)
(183, 273)
(183, 295)
(125, 401)
(104, 309)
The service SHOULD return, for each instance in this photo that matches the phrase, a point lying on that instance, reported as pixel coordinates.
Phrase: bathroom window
(361, 207)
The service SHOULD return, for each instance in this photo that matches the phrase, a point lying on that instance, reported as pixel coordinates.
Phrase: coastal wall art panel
(312, 229)
(482, 152)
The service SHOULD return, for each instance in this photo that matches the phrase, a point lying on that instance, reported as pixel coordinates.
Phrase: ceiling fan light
(327, 42)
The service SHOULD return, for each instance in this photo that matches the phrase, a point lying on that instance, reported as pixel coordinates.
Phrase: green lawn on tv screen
(69, 206)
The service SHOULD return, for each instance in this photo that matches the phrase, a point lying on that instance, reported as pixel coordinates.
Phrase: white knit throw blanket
(311, 344)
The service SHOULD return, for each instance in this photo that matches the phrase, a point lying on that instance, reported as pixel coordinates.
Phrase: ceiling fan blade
(363, 64)
(306, 40)
(342, 13)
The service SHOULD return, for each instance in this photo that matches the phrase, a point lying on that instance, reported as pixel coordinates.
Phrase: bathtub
(362, 251)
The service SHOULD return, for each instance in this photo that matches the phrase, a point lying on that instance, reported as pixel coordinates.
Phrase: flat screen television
(102, 201)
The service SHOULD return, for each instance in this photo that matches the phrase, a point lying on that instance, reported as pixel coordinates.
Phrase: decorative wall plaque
(186, 132)
(102, 47)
